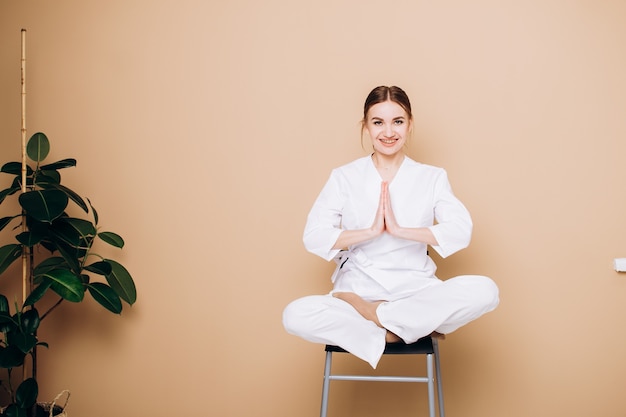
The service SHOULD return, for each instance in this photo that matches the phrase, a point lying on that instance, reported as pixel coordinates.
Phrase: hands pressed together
(385, 219)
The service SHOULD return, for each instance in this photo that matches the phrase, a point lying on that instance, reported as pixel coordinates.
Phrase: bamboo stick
(25, 251)
(25, 275)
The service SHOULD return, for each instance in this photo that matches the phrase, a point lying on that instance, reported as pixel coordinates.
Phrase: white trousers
(434, 305)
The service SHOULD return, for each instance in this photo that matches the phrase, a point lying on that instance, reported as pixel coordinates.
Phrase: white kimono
(398, 271)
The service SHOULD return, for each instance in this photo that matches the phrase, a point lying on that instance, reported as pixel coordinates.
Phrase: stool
(425, 346)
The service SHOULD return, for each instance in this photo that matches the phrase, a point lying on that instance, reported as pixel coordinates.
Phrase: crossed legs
(362, 326)
(368, 310)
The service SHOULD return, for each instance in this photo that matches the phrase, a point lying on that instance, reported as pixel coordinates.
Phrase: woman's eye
(399, 122)
(377, 123)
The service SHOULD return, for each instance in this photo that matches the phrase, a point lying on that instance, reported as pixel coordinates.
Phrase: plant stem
(58, 303)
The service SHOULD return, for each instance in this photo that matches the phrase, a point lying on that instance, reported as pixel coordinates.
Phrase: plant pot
(48, 409)
(52, 408)
(44, 410)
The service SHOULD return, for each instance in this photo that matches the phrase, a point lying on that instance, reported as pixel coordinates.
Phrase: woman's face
(388, 126)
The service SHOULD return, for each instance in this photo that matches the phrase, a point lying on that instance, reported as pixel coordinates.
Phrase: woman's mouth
(388, 141)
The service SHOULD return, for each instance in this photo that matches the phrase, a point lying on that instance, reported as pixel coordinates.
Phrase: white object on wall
(620, 264)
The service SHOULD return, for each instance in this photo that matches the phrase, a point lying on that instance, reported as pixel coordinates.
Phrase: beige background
(204, 131)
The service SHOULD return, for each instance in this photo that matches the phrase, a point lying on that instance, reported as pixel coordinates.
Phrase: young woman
(375, 217)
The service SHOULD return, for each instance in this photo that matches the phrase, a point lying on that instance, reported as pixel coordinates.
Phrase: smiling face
(388, 126)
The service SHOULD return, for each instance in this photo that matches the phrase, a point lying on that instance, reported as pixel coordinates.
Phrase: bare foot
(392, 337)
(366, 308)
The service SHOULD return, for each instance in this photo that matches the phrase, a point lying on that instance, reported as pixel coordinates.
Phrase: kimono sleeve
(323, 225)
(453, 229)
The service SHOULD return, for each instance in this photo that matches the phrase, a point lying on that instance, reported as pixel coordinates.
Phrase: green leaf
(13, 410)
(44, 178)
(44, 205)
(8, 254)
(24, 342)
(4, 304)
(49, 264)
(63, 163)
(101, 268)
(37, 231)
(37, 293)
(30, 238)
(6, 317)
(27, 392)
(11, 357)
(71, 194)
(38, 147)
(122, 283)
(66, 284)
(105, 296)
(74, 197)
(6, 220)
(7, 192)
(73, 231)
(30, 321)
(95, 213)
(112, 239)
(15, 168)
(71, 255)
(7, 323)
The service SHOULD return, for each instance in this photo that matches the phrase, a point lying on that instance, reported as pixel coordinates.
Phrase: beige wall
(204, 130)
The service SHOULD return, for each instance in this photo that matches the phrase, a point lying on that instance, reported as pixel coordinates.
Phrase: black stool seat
(422, 346)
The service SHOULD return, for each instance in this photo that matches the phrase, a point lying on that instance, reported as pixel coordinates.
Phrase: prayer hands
(385, 219)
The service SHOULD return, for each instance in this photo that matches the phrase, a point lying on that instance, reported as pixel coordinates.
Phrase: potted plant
(58, 260)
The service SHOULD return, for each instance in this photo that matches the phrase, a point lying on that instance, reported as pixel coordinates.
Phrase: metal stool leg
(325, 386)
(438, 376)
(431, 385)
